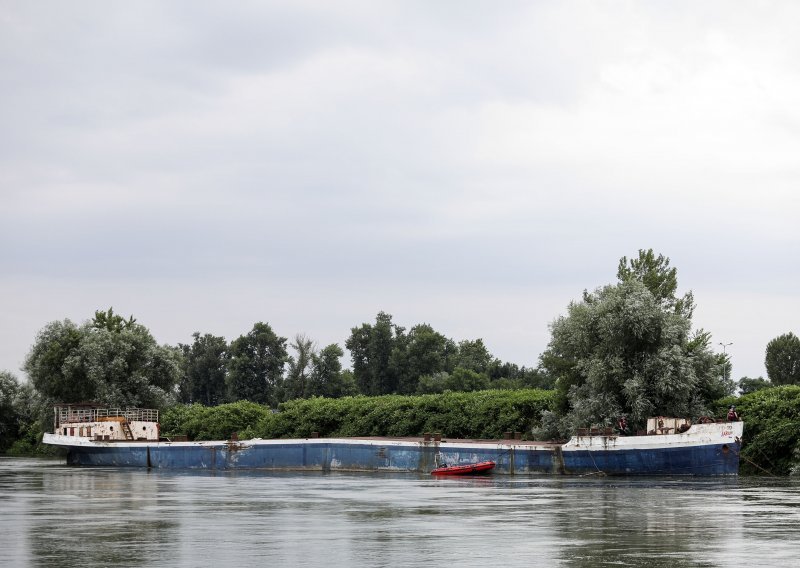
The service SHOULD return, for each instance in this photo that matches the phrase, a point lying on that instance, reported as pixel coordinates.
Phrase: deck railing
(71, 414)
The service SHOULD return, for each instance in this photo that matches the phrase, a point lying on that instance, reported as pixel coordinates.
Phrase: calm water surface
(53, 515)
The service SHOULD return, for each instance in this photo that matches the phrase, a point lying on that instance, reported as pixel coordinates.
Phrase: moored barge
(95, 436)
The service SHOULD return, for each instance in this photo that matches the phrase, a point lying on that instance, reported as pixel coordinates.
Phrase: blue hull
(718, 459)
(391, 455)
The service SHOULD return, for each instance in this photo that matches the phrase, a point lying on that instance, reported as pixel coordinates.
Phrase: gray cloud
(204, 166)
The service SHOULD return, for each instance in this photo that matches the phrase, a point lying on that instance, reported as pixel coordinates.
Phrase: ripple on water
(52, 515)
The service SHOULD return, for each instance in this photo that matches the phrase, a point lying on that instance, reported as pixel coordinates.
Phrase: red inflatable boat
(464, 469)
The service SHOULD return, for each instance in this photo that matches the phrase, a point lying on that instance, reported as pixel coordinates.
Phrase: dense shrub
(484, 414)
(771, 418)
(29, 443)
(200, 422)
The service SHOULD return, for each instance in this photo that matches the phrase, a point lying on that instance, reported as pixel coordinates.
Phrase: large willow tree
(109, 360)
(628, 349)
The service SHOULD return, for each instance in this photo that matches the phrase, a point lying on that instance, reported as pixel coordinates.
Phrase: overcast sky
(472, 165)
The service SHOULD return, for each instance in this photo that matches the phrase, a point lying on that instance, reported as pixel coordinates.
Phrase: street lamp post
(725, 363)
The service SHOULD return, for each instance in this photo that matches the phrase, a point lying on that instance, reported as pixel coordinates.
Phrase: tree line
(116, 361)
(626, 348)
(266, 368)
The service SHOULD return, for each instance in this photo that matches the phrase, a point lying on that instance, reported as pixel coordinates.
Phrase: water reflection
(640, 522)
(52, 515)
(95, 518)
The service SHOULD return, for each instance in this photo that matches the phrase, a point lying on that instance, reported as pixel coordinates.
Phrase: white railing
(72, 414)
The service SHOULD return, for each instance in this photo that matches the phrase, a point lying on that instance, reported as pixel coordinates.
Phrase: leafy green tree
(297, 376)
(206, 361)
(625, 350)
(466, 380)
(128, 367)
(537, 378)
(110, 321)
(255, 368)
(327, 378)
(748, 385)
(33, 418)
(358, 345)
(461, 380)
(783, 360)
(497, 370)
(423, 351)
(712, 369)
(9, 421)
(55, 363)
(509, 375)
(105, 360)
(433, 384)
(772, 421)
(662, 281)
(724, 363)
(371, 349)
(474, 356)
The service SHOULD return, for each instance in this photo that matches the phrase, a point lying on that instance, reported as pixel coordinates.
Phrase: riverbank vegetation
(771, 430)
(625, 349)
(629, 349)
(483, 414)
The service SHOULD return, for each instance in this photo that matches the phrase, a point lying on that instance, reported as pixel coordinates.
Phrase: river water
(54, 515)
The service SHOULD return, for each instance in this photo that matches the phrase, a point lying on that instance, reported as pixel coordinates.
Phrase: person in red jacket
(732, 416)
